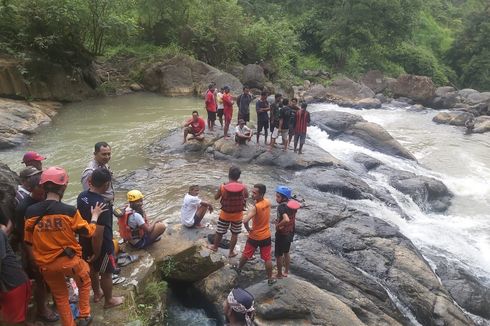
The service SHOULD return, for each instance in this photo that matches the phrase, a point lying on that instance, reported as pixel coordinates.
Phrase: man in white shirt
(243, 134)
(193, 208)
(102, 156)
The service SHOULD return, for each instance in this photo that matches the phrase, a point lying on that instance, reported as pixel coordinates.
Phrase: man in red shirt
(227, 109)
(211, 106)
(302, 122)
(194, 126)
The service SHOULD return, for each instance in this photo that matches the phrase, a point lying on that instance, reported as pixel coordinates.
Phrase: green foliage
(154, 291)
(469, 56)
(168, 267)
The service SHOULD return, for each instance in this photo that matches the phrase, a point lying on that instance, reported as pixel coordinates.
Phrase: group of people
(282, 118)
(233, 196)
(59, 242)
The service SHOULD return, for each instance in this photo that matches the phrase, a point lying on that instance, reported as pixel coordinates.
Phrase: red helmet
(54, 174)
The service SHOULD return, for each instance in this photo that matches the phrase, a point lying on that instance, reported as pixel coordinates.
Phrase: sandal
(84, 321)
(118, 280)
(128, 259)
(51, 318)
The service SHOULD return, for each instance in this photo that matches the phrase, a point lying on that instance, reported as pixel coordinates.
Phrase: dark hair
(294, 99)
(99, 145)
(304, 105)
(261, 187)
(263, 93)
(100, 176)
(285, 101)
(195, 112)
(193, 186)
(234, 173)
(277, 95)
(52, 187)
(33, 181)
(245, 87)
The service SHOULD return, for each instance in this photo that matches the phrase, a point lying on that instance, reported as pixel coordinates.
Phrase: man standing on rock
(285, 225)
(274, 118)
(262, 107)
(243, 101)
(227, 110)
(232, 195)
(302, 122)
(102, 156)
(33, 159)
(219, 99)
(211, 107)
(260, 234)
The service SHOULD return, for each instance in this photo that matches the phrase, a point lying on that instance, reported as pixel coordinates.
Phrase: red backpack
(232, 197)
(293, 207)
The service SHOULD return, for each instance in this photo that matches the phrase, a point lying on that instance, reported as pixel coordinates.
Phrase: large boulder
(316, 93)
(293, 302)
(347, 89)
(476, 98)
(19, 119)
(418, 88)
(49, 82)
(217, 285)
(253, 76)
(455, 118)
(375, 80)
(444, 98)
(354, 128)
(185, 76)
(365, 103)
(482, 124)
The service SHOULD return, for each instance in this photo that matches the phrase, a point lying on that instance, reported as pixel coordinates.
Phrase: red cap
(54, 174)
(32, 156)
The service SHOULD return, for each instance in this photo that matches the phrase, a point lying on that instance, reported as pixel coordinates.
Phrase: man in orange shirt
(50, 229)
(233, 195)
(260, 234)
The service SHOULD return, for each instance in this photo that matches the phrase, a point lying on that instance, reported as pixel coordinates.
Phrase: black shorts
(283, 244)
(211, 116)
(106, 263)
(244, 116)
(220, 113)
(262, 125)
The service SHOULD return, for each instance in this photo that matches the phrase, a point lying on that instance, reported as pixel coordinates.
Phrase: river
(131, 123)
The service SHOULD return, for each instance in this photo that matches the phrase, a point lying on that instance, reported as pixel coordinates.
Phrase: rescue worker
(50, 229)
(143, 233)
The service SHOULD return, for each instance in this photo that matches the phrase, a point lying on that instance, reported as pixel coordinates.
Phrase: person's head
(304, 105)
(194, 190)
(285, 102)
(37, 190)
(33, 159)
(239, 307)
(241, 122)
(100, 180)
(102, 153)
(211, 87)
(258, 191)
(263, 96)
(135, 199)
(234, 173)
(294, 101)
(195, 116)
(283, 194)
(54, 180)
(246, 90)
(278, 97)
(226, 89)
(26, 174)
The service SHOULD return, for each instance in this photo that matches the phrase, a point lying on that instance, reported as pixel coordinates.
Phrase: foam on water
(462, 235)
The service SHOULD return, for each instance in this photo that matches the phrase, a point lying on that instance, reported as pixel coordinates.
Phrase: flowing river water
(132, 123)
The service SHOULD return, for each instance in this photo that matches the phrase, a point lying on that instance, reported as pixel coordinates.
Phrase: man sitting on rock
(194, 126)
(243, 134)
(193, 208)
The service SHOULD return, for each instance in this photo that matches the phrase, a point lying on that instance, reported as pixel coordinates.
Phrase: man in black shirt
(243, 101)
(99, 251)
(262, 108)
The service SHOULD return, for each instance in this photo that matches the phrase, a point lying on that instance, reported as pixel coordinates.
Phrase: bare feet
(232, 254)
(113, 302)
(212, 248)
(199, 226)
(279, 276)
(98, 296)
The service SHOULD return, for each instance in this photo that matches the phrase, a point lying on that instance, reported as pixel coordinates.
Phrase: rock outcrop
(253, 76)
(53, 82)
(419, 88)
(185, 76)
(345, 88)
(354, 128)
(20, 119)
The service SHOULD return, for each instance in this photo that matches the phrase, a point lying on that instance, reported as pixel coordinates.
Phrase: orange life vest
(232, 197)
(125, 230)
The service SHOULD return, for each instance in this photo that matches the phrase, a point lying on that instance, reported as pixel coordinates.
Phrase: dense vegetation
(448, 40)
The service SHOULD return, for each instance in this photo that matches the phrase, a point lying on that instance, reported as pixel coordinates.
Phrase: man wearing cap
(243, 134)
(102, 156)
(33, 159)
(22, 189)
(239, 308)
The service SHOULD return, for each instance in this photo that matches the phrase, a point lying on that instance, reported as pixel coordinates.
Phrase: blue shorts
(143, 242)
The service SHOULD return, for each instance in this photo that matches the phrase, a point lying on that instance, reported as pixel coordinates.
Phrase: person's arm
(218, 194)
(245, 192)
(208, 205)
(187, 123)
(251, 214)
(85, 176)
(97, 241)
(284, 221)
(308, 121)
(80, 225)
